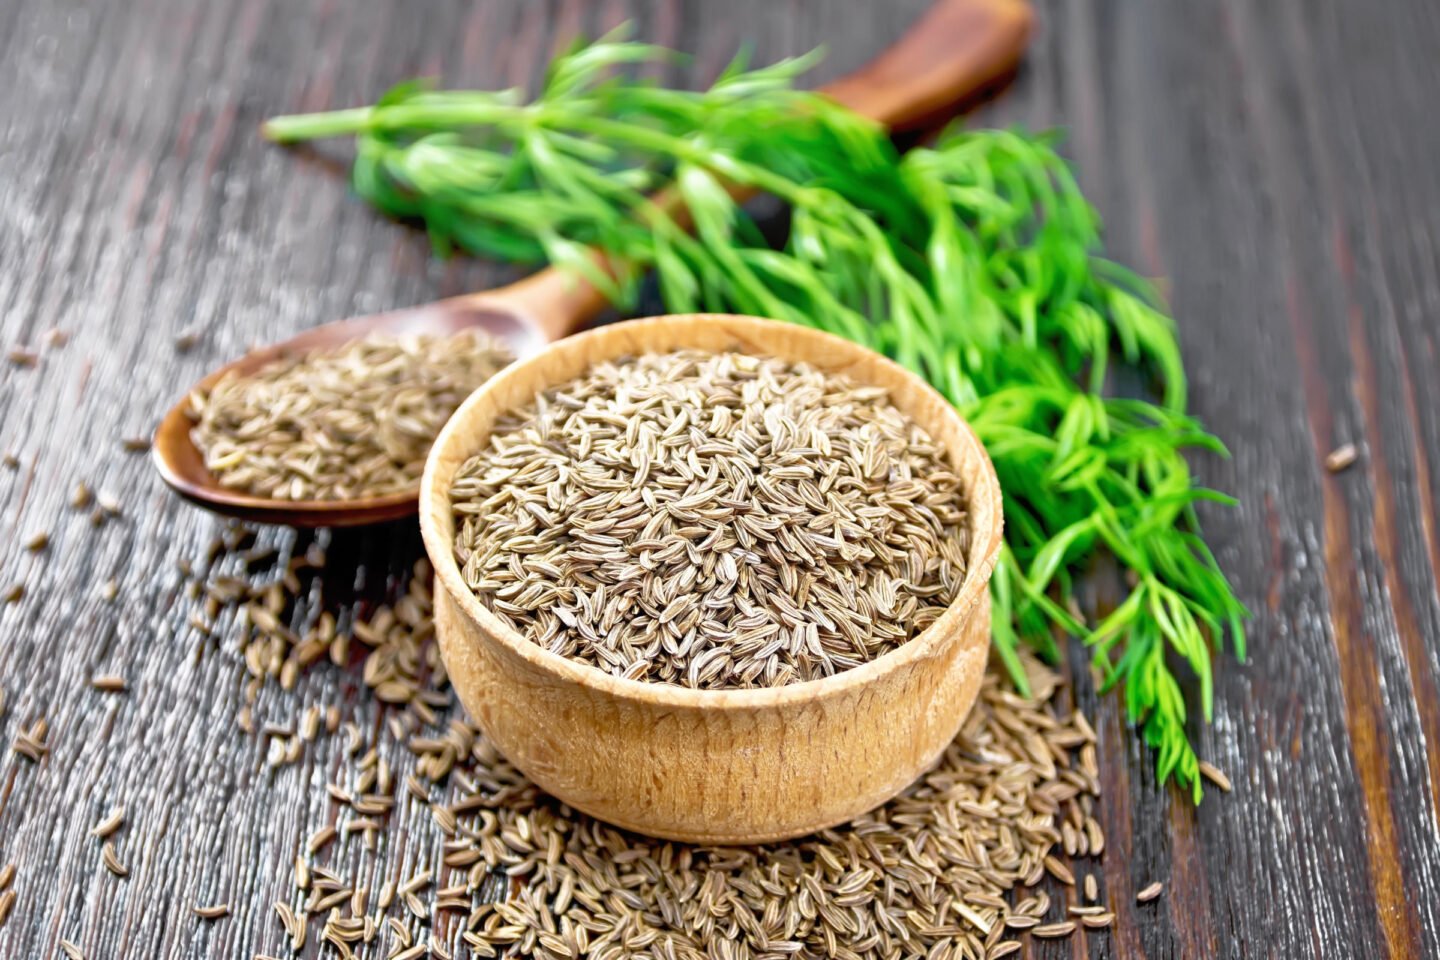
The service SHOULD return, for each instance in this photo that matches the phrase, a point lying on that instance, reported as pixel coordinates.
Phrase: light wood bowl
(713, 766)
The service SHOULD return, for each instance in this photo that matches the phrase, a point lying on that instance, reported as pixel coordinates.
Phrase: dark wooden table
(1275, 161)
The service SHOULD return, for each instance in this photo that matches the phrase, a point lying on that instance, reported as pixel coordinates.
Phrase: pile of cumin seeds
(930, 874)
(934, 873)
(273, 603)
(432, 843)
(712, 520)
(340, 424)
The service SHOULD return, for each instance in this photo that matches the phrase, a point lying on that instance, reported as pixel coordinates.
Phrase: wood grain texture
(712, 766)
(1274, 161)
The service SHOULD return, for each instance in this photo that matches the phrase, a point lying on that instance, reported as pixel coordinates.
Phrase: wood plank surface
(1275, 162)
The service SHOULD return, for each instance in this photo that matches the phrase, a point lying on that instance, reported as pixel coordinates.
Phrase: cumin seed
(1050, 930)
(319, 839)
(1341, 458)
(111, 858)
(112, 822)
(1215, 775)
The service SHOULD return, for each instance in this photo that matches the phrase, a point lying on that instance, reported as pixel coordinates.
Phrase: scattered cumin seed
(1096, 837)
(22, 357)
(1150, 892)
(1059, 871)
(7, 874)
(71, 951)
(110, 683)
(212, 912)
(1085, 911)
(186, 340)
(111, 858)
(1092, 887)
(81, 497)
(1097, 921)
(110, 589)
(419, 881)
(38, 541)
(110, 824)
(55, 337)
(1215, 775)
(288, 920)
(310, 724)
(319, 839)
(10, 459)
(135, 444)
(1341, 458)
(1048, 930)
(14, 592)
(31, 744)
(7, 903)
(411, 952)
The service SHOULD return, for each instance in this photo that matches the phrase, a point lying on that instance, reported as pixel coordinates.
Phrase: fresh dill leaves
(973, 262)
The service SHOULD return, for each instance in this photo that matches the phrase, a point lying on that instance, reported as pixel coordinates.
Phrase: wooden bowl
(713, 766)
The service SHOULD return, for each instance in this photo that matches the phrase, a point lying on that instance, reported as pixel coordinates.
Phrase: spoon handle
(952, 53)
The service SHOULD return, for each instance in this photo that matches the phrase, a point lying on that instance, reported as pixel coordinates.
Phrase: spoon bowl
(507, 315)
(955, 52)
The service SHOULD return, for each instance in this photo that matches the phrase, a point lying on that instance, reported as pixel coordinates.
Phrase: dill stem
(313, 126)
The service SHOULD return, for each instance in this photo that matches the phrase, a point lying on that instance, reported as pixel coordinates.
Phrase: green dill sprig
(974, 263)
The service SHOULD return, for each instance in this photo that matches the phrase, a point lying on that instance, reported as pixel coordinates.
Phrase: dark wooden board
(1275, 161)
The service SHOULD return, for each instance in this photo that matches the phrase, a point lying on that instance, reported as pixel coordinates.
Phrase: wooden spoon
(953, 53)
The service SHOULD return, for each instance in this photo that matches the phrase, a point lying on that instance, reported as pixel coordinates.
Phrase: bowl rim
(435, 503)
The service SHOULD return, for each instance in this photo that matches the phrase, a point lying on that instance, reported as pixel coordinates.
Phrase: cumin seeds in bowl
(777, 568)
(339, 424)
(714, 520)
